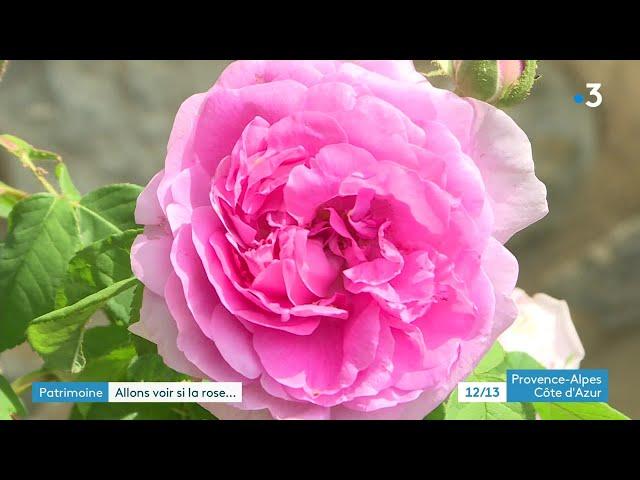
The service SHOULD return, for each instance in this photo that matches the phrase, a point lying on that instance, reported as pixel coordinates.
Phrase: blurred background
(110, 120)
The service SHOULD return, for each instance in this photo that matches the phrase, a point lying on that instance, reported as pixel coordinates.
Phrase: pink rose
(330, 234)
(544, 330)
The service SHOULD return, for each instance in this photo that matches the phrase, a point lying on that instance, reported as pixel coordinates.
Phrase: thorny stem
(28, 163)
(39, 173)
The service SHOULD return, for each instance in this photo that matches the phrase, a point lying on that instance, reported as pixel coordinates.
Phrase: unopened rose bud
(500, 82)
(544, 330)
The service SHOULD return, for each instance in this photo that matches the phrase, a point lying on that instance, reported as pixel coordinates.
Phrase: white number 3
(594, 92)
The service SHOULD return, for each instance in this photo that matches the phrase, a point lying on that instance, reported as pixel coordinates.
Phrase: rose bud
(3, 67)
(544, 330)
(499, 82)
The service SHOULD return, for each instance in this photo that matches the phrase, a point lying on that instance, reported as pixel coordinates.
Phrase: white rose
(545, 331)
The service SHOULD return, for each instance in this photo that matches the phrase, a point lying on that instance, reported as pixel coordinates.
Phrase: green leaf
(108, 210)
(111, 367)
(57, 336)
(550, 411)
(10, 404)
(42, 237)
(151, 368)
(143, 346)
(124, 309)
(99, 265)
(578, 411)
(108, 352)
(99, 341)
(78, 411)
(136, 304)
(439, 413)
(8, 198)
(96, 267)
(492, 368)
(7, 201)
(521, 361)
(492, 359)
(19, 148)
(66, 184)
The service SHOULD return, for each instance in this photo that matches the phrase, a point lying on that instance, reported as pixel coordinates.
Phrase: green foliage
(438, 413)
(120, 309)
(111, 356)
(8, 198)
(65, 182)
(43, 235)
(11, 406)
(578, 411)
(65, 257)
(57, 336)
(21, 149)
(108, 210)
(111, 367)
(493, 368)
(144, 346)
(521, 361)
(96, 267)
(108, 352)
(99, 341)
(492, 361)
(151, 368)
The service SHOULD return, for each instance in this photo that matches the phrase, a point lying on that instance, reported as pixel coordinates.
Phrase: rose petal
(150, 260)
(503, 154)
(148, 210)
(157, 325)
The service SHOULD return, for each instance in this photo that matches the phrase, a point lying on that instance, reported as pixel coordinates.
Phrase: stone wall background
(110, 120)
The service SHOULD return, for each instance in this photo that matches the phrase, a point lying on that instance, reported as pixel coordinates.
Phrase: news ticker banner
(136, 392)
(584, 385)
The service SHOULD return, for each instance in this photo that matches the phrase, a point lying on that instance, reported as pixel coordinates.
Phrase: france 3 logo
(594, 92)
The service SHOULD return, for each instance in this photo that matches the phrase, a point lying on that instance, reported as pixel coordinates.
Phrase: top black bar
(327, 34)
